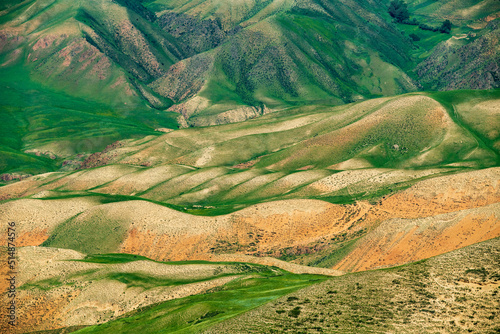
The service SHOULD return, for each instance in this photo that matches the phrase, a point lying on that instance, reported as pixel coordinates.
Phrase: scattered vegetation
(424, 297)
(398, 9)
(197, 313)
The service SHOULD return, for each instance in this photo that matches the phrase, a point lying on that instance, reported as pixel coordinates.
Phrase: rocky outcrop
(193, 35)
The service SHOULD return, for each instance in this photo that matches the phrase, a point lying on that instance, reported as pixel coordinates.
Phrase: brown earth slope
(452, 293)
(450, 211)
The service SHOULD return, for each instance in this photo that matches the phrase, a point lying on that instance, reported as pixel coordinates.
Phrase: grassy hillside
(452, 293)
(431, 217)
(141, 295)
(342, 179)
(458, 11)
(223, 62)
(78, 76)
(340, 154)
(224, 166)
(286, 54)
(42, 128)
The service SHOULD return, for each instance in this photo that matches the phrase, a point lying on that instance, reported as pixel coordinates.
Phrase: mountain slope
(114, 286)
(301, 53)
(222, 62)
(369, 149)
(452, 293)
(216, 61)
(458, 65)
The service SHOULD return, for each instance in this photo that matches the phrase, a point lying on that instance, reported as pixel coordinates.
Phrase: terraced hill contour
(310, 186)
(359, 157)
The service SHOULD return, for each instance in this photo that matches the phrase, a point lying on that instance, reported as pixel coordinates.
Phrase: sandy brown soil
(446, 194)
(35, 219)
(256, 230)
(445, 294)
(268, 227)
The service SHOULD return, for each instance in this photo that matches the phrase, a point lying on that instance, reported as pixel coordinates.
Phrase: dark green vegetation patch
(428, 296)
(196, 313)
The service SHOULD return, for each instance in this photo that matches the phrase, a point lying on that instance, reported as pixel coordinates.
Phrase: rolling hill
(455, 292)
(250, 166)
(112, 70)
(451, 293)
(417, 165)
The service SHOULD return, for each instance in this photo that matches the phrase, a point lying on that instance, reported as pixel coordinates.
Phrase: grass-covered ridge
(341, 154)
(154, 296)
(223, 61)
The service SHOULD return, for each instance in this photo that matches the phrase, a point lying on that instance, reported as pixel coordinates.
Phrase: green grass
(196, 313)
(336, 255)
(281, 153)
(45, 285)
(89, 235)
(113, 258)
(138, 280)
(34, 116)
(107, 198)
(452, 100)
(428, 40)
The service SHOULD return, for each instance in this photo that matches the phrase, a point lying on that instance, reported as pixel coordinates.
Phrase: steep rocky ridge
(458, 65)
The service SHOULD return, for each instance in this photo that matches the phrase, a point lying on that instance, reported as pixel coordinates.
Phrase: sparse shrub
(495, 277)
(280, 311)
(291, 299)
(479, 272)
(424, 26)
(396, 281)
(211, 314)
(445, 27)
(294, 313)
